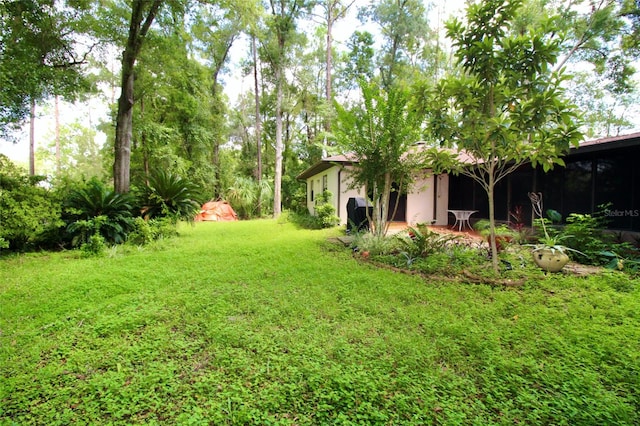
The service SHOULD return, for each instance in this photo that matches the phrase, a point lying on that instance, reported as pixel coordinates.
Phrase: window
(311, 190)
(325, 180)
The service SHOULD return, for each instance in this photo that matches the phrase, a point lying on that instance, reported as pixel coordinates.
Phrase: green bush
(169, 195)
(326, 214)
(93, 209)
(324, 217)
(584, 232)
(375, 245)
(29, 212)
(325, 211)
(147, 231)
(95, 246)
(421, 241)
(247, 197)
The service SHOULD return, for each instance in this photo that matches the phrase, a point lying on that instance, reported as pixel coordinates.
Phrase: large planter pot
(550, 260)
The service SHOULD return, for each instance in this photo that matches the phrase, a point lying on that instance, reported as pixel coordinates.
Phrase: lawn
(262, 323)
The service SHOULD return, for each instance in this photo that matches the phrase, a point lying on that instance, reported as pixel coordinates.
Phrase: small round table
(462, 218)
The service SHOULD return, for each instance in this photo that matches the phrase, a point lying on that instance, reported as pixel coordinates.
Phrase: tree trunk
(277, 185)
(144, 146)
(124, 127)
(258, 118)
(32, 138)
(327, 121)
(57, 131)
(384, 211)
(124, 117)
(492, 220)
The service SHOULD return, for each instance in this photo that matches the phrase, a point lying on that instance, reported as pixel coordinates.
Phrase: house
(599, 171)
(426, 203)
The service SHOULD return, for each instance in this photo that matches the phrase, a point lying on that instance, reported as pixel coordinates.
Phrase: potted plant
(548, 253)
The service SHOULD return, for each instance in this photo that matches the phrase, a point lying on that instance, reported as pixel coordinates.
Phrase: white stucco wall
(419, 202)
(420, 208)
(338, 183)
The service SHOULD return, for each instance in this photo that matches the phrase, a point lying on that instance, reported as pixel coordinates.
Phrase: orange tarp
(216, 211)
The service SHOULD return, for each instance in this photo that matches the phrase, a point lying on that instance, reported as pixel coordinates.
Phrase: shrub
(375, 245)
(147, 231)
(421, 241)
(326, 212)
(169, 195)
(584, 232)
(94, 209)
(247, 197)
(28, 211)
(95, 246)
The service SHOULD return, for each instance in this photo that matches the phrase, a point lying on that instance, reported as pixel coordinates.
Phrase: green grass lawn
(262, 323)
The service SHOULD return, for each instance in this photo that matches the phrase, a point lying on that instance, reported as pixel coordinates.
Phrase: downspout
(339, 190)
(435, 199)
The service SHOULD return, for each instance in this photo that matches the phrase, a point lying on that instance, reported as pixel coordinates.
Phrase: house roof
(612, 142)
(595, 145)
(325, 164)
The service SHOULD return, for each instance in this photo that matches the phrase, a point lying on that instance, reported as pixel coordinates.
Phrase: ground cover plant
(260, 322)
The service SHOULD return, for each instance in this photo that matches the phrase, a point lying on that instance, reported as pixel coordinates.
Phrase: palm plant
(169, 195)
(95, 209)
(246, 195)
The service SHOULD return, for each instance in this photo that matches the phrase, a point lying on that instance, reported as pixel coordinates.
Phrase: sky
(92, 112)
(96, 110)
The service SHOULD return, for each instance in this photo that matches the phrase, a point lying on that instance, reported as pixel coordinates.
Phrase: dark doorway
(401, 212)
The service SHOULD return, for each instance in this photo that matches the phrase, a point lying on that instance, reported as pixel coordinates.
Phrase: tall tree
(358, 62)
(405, 31)
(258, 118)
(334, 10)
(381, 133)
(282, 25)
(73, 152)
(217, 28)
(598, 36)
(508, 106)
(143, 12)
(41, 55)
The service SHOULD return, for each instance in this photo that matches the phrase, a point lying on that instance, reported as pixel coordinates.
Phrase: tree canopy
(165, 66)
(381, 134)
(508, 106)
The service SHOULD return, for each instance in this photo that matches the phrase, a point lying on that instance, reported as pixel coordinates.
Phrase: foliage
(450, 261)
(325, 211)
(41, 55)
(95, 246)
(618, 262)
(602, 38)
(549, 240)
(28, 211)
(146, 231)
(94, 209)
(407, 39)
(247, 196)
(503, 233)
(586, 232)
(507, 107)
(268, 338)
(81, 156)
(375, 244)
(380, 134)
(420, 241)
(169, 195)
